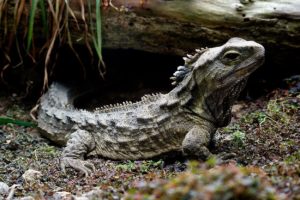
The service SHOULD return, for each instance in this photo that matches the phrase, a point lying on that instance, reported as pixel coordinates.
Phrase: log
(175, 26)
(179, 26)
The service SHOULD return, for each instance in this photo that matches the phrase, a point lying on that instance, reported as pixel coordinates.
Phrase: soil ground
(264, 136)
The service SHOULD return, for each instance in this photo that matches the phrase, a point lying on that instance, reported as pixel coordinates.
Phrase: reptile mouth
(249, 68)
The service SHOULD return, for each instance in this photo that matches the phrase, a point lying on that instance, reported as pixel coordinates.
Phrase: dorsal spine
(126, 105)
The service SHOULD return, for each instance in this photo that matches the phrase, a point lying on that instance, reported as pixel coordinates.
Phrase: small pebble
(4, 188)
(32, 176)
(96, 193)
(62, 196)
(27, 198)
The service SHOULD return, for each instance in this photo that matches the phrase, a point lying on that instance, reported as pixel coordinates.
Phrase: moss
(223, 182)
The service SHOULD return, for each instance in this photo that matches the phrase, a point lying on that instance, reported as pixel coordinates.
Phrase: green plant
(58, 20)
(293, 158)
(141, 166)
(46, 150)
(276, 111)
(97, 34)
(225, 182)
(211, 161)
(32, 13)
(146, 166)
(238, 138)
(6, 120)
(258, 116)
(231, 128)
(128, 166)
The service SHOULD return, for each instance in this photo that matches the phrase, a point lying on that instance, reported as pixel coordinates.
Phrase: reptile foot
(80, 165)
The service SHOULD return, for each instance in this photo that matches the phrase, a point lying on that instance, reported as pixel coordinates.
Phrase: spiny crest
(128, 104)
(113, 107)
(150, 97)
(190, 59)
(181, 71)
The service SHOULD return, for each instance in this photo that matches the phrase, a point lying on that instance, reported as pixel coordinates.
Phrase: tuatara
(185, 119)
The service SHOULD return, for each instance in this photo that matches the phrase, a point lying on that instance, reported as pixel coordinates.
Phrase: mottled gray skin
(185, 119)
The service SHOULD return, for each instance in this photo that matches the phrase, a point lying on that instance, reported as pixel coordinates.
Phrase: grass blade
(98, 27)
(96, 32)
(31, 23)
(6, 120)
(98, 39)
(44, 17)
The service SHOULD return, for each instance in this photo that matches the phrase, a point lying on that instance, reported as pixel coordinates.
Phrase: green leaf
(96, 31)
(44, 17)
(31, 23)
(6, 120)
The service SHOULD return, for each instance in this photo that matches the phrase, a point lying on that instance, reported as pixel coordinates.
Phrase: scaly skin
(185, 119)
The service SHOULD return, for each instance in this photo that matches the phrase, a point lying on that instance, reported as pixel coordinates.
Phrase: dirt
(263, 137)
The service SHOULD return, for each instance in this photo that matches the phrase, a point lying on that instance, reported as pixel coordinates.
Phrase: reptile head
(216, 76)
(228, 64)
(225, 71)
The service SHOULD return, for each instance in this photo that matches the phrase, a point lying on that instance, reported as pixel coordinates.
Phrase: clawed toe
(80, 165)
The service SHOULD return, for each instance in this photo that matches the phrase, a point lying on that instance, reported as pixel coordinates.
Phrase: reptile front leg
(80, 143)
(196, 141)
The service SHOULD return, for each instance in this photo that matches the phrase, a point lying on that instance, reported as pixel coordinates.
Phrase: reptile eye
(231, 55)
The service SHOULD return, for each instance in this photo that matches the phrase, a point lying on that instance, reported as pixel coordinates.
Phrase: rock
(12, 191)
(32, 176)
(63, 196)
(236, 110)
(4, 188)
(27, 198)
(96, 193)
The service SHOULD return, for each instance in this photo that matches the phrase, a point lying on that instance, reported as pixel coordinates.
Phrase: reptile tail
(58, 96)
(52, 114)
